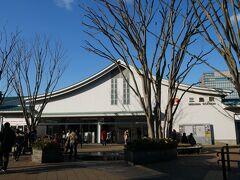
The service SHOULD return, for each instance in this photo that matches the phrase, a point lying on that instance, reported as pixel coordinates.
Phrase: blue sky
(61, 20)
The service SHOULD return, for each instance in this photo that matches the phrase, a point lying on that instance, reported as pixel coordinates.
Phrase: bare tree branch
(147, 37)
(223, 18)
(37, 68)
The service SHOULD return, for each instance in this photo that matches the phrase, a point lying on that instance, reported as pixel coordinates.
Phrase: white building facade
(105, 101)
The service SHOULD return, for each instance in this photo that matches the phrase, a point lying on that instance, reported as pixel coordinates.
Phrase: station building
(105, 101)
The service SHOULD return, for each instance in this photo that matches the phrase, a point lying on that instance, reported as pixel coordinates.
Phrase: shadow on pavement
(194, 166)
(36, 169)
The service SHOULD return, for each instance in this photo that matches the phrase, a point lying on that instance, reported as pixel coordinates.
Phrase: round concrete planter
(149, 156)
(47, 156)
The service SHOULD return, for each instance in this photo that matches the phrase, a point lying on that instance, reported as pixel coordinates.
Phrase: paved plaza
(201, 166)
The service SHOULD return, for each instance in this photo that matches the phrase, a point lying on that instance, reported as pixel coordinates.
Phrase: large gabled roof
(14, 107)
(91, 79)
(84, 82)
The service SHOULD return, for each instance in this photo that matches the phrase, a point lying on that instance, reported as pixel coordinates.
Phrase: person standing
(191, 139)
(104, 137)
(64, 138)
(184, 139)
(126, 134)
(7, 139)
(26, 142)
(174, 134)
(80, 139)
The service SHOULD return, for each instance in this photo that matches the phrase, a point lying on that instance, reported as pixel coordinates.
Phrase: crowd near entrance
(90, 129)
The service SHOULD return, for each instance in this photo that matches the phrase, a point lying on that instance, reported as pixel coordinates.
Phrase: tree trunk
(169, 113)
(150, 126)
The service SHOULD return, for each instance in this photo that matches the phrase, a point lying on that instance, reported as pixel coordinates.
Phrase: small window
(126, 91)
(114, 95)
(191, 99)
(201, 99)
(211, 99)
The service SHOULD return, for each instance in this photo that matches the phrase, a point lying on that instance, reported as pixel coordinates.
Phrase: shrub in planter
(150, 150)
(46, 150)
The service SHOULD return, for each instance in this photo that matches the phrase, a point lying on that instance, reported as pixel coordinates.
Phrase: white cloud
(233, 20)
(67, 4)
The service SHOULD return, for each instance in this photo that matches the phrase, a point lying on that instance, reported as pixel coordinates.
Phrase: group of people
(183, 138)
(107, 137)
(188, 139)
(21, 141)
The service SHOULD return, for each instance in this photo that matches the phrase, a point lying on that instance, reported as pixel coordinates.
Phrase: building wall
(207, 113)
(95, 97)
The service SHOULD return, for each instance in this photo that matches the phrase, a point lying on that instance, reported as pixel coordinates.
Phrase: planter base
(47, 156)
(144, 157)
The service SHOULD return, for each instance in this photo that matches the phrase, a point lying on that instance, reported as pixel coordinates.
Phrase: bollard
(223, 164)
(228, 159)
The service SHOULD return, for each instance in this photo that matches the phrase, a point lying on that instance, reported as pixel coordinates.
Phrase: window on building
(211, 99)
(126, 91)
(191, 99)
(201, 99)
(114, 95)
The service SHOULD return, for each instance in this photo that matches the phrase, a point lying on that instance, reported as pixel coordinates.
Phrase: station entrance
(91, 127)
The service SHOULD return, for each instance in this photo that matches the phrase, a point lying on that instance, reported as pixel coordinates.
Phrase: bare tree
(152, 38)
(37, 68)
(7, 45)
(221, 30)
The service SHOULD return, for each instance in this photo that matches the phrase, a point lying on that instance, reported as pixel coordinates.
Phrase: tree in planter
(147, 36)
(37, 67)
(220, 27)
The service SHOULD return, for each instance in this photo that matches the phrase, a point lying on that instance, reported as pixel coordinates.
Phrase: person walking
(19, 144)
(67, 142)
(7, 139)
(72, 144)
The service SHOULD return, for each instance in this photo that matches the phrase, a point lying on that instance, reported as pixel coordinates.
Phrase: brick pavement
(194, 166)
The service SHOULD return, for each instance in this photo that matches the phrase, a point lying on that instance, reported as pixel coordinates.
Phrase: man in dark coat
(7, 139)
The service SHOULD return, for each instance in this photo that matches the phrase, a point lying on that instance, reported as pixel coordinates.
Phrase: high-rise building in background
(217, 81)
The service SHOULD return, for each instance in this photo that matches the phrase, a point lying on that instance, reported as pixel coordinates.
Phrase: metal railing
(225, 160)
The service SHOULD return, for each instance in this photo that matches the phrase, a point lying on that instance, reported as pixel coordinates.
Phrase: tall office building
(217, 81)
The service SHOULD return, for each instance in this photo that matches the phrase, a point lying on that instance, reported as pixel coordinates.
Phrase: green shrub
(151, 144)
(46, 144)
